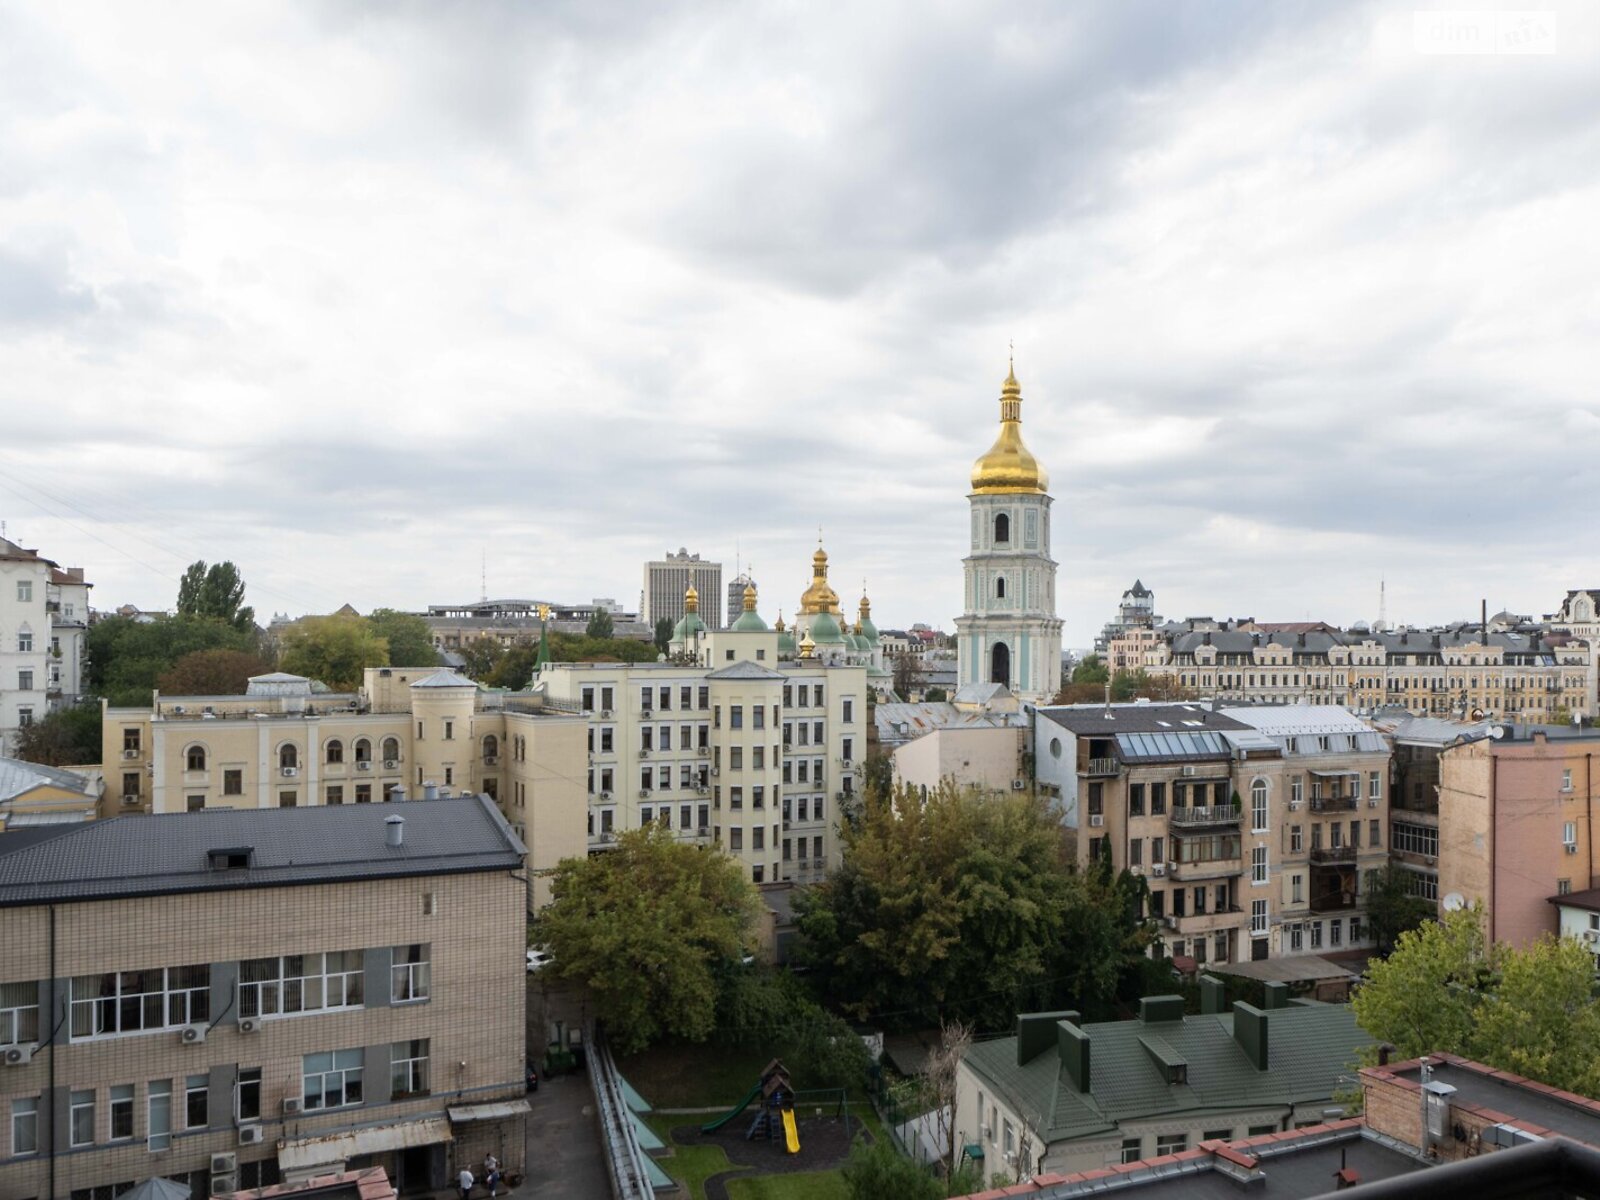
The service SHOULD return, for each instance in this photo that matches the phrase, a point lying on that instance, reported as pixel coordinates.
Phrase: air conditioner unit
(390, 764)
(1136, 869)
(177, 708)
(249, 1135)
(1372, 803)
(644, 793)
(846, 763)
(988, 1132)
(705, 831)
(1018, 784)
(1188, 771)
(490, 760)
(1570, 847)
(224, 1185)
(704, 752)
(1096, 820)
(1171, 922)
(702, 789)
(1294, 805)
(716, 771)
(605, 795)
(364, 764)
(290, 772)
(131, 799)
(292, 1106)
(192, 1035)
(19, 1056)
(841, 797)
(605, 714)
(644, 752)
(249, 1024)
(130, 754)
(224, 1163)
(1591, 936)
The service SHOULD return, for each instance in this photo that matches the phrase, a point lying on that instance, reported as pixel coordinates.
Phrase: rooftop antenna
(483, 577)
(1383, 603)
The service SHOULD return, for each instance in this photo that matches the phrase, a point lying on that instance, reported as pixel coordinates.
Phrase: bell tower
(1010, 633)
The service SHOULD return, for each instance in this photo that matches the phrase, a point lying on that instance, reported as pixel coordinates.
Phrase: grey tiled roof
(1309, 1047)
(1099, 720)
(17, 777)
(744, 670)
(162, 855)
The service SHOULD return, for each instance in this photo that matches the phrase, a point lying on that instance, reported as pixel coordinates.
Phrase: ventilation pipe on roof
(394, 830)
(430, 790)
(397, 794)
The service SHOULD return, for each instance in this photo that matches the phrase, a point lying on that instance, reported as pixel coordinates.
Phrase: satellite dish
(1454, 902)
(1497, 732)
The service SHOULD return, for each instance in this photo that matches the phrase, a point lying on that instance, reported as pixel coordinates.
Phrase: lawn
(805, 1185)
(689, 1165)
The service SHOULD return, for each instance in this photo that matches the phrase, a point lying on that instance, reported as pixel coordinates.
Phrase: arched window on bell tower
(1002, 529)
(1000, 588)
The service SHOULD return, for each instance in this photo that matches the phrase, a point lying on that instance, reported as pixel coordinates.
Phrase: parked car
(538, 958)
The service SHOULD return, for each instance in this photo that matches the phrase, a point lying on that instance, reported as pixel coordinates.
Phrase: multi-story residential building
(408, 730)
(1009, 633)
(456, 626)
(734, 741)
(1254, 827)
(666, 580)
(1136, 611)
(246, 996)
(1528, 677)
(44, 620)
(1516, 824)
(1066, 1096)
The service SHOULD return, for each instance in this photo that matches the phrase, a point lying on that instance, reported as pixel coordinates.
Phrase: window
(81, 1117)
(194, 758)
(134, 1001)
(449, 731)
(1569, 833)
(336, 793)
(391, 749)
(409, 973)
(25, 1125)
(1002, 532)
(1171, 1143)
(1316, 935)
(1136, 799)
(1296, 841)
(1258, 806)
(1158, 799)
(288, 757)
(1130, 1149)
(1374, 785)
(1335, 932)
(196, 1098)
(408, 1075)
(848, 717)
(247, 1094)
(363, 750)
(130, 740)
(332, 1079)
(363, 793)
(735, 838)
(195, 803)
(158, 1115)
(1297, 790)
(1258, 918)
(1296, 938)
(735, 716)
(1414, 839)
(758, 717)
(19, 1013)
(1566, 779)
(295, 983)
(25, 681)
(1355, 929)
(1295, 888)
(25, 591)
(1217, 1135)
(1260, 1130)
(287, 799)
(1000, 587)
(1375, 833)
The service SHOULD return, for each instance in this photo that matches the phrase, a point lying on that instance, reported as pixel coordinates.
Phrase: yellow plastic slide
(791, 1135)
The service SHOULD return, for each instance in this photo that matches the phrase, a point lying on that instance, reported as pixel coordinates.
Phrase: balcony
(1097, 766)
(1194, 815)
(1206, 922)
(1326, 804)
(1333, 854)
(1334, 900)
(1206, 868)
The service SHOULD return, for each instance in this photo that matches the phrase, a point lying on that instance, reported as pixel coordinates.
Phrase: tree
(409, 639)
(600, 625)
(1540, 1010)
(940, 1074)
(483, 654)
(907, 674)
(1420, 998)
(663, 637)
(646, 927)
(1392, 909)
(64, 738)
(212, 673)
(216, 591)
(960, 907)
(877, 1171)
(771, 1010)
(936, 695)
(128, 657)
(334, 650)
(1092, 669)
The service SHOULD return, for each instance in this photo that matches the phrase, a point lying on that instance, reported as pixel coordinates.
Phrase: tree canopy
(217, 672)
(1522, 1010)
(408, 637)
(216, 591)
(649, 928)
(600, 626)
(64, 738)
(335, 650)
(663, 637)
(1091, 669)
(127, 657)
(966, 908)
(1392, 909)
(495, 665)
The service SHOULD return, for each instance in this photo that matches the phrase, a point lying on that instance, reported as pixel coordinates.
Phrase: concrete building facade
(241, 997)
(667, 579)
(44, 621)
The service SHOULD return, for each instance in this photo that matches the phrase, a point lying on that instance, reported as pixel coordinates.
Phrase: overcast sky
(356, 295)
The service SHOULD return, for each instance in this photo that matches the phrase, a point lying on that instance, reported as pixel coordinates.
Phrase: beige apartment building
(734, 741)
(1254, 827)
(409, 732)
(246, 996)
(1516, 825)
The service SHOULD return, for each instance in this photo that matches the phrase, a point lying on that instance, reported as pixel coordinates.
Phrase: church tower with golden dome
(1010, 633)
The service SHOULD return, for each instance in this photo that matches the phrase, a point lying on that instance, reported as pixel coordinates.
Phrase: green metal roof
(1309, 1047)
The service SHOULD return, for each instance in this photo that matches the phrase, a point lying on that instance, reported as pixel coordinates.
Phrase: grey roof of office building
(1107, 720)
(17, 777)
(171, 854)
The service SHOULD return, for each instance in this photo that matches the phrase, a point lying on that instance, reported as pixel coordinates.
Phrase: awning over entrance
(1335, 774)
(463, 1114)
(301, 1154)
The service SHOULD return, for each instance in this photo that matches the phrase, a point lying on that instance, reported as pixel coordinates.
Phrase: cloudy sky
(358, 295)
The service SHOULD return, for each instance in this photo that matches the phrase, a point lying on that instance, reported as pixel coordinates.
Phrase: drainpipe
(1588, 807)
(54, 1132)
(1494, 821)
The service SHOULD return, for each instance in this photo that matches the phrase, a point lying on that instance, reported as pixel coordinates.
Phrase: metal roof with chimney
(229, 849)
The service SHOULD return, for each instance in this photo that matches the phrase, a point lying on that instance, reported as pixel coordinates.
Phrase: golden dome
(691, 599)
(819, 597)
(807, 646)
(749, 597)
(1009, 466)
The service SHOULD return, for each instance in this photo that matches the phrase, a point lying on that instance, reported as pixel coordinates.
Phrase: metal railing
(1099, 766)
(1335, 803)
(1334, 854)
(1203, 814)
(625, 1160)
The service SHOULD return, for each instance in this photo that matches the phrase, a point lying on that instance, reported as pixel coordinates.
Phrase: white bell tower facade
(1010, 633)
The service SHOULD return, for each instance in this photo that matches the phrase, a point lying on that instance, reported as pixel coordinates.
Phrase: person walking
(491, 1175)
(464, 1181)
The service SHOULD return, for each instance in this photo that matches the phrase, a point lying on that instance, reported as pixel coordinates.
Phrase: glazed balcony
(1333, 854)
(1193, 816)
(1328, 804)
(1205, 868)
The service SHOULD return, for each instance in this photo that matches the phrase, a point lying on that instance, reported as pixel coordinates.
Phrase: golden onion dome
(691, 599)
(819, 597)
(1009, 466)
